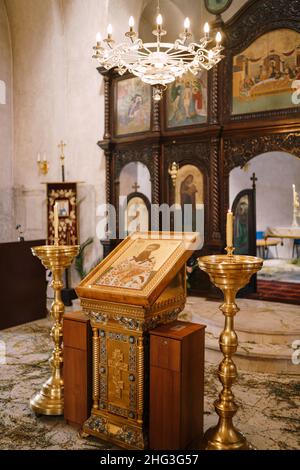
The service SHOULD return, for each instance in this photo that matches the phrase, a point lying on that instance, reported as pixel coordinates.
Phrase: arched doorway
(276, 173)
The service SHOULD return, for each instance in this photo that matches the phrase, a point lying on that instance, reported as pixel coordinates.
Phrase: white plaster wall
(276, 173)
(6, 178)
(58, 94)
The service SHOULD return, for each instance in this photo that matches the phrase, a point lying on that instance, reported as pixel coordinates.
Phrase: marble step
(247, 335)
(254, 358)
(266, 331)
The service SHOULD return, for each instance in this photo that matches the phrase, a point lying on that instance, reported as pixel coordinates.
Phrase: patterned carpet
(269, 412)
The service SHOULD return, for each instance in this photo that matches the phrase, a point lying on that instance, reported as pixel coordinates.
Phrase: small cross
(253, 179)
(135, 187)
(61, 146)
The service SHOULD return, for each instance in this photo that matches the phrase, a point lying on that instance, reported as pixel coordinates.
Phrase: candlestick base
(50, 399)
(218, 438)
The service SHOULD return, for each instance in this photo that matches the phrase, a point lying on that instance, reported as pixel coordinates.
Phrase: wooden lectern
(139, 286)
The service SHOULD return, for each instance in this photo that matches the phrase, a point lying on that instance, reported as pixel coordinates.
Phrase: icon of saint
(133, 272)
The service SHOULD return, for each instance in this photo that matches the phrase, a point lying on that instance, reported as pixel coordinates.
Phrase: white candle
(56, 222)
(229, 229)
(45, 157)
(294, 196)
(38, 157)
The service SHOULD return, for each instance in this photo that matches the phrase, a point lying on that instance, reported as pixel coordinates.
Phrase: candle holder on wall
(173, 172)
(43, 166)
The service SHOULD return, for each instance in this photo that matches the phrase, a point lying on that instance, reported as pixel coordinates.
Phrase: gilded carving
(131, 437)
(96, 423)
(118, 337)
(103, 350)
(118, 366)
(129, 323)
(117, 410)
(97, 317)
(132, 358)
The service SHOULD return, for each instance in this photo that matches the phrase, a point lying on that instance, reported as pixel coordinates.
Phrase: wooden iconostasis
(207, 124)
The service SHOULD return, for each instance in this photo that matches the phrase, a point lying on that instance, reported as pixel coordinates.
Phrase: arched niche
(135, 177)
(276, 173)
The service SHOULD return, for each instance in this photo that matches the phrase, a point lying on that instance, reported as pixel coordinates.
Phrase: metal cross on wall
(136, 187)
(61, 146)
(254, 179)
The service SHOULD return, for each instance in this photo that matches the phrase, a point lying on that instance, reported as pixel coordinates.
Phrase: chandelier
(158, 63)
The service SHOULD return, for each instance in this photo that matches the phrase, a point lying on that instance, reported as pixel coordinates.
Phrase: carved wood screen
(216, 143)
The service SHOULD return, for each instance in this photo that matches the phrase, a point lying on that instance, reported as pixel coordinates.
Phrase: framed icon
(65, 195)
(264, 79)
(139, 268)
(133, 106)
(187, 101)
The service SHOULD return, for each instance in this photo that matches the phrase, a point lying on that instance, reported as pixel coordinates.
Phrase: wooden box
(176, 386)
(77, 368)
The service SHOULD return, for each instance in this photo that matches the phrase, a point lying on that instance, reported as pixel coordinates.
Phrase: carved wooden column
(155, 178)
(215, 191)
(213, 117)
(107, 134)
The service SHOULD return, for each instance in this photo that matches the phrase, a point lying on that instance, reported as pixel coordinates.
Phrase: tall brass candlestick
(50, 399)
(230, 273)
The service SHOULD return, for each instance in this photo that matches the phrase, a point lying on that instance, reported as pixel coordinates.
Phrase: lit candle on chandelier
(206, 30)
(98, 39)
(187, 25)
(218, 38)
(131, 23)
(159, 21)
(229, 229)
(109, 31)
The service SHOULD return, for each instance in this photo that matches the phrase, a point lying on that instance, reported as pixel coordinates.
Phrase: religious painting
(265, 74)
(65, 195)
(63, 208)
(136, 215)
(217, 6)
(241, 226)
(135, 268)
(139, 268)
(189, 192)
(187, 100)
(133, 98)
